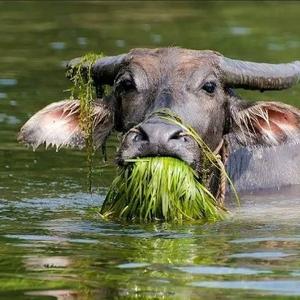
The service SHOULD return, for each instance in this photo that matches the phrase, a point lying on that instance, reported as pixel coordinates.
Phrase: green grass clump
(160, 188)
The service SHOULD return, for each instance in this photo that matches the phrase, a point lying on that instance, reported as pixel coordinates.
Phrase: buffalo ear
(58, 125)
(266, 123)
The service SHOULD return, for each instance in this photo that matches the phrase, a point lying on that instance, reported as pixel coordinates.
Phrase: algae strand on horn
(84, 90)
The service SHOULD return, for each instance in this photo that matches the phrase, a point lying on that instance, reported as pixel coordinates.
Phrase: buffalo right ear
(265, 123)
(58, 125)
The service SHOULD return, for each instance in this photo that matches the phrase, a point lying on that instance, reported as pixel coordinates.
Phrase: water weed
(84, 90)
(160, 188)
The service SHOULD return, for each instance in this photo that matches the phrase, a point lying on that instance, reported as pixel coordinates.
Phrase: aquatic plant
(160, 188)
(84, 90)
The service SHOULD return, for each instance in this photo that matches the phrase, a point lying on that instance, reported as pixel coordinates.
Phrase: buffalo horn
(259, 76)
(104, 70)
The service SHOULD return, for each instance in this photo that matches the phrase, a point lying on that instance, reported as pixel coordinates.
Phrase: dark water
(51, 244)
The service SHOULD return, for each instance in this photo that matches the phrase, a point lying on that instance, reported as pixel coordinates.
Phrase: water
(52, 245)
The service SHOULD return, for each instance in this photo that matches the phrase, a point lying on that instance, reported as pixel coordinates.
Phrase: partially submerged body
(257, 168)
(198, 87)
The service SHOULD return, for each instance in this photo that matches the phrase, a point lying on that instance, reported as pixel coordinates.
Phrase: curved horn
(259, 76)
(104, 70)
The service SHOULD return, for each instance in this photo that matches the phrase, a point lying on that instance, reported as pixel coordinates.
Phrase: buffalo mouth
(164, 171)
(208, 168)
(159, 138)
(194, 163)
(205, 172)
(165, 135)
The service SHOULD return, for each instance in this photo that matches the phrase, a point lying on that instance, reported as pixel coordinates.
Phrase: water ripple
(8, 81)
(266, 239)
(278, 287)
(212, 270)
(262, 255)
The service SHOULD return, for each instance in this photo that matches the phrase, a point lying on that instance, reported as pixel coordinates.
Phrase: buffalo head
(195, 85)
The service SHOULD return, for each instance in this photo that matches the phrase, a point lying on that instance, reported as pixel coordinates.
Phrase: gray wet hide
(258, 168)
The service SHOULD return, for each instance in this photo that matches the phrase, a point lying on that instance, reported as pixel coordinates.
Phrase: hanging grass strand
(83, 89)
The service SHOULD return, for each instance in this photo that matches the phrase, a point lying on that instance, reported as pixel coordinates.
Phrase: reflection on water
(283, 287)
(52, 243)
(54, 246)
(8, 82)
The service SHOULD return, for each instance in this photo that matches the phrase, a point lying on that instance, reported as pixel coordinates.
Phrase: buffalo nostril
(185, 139)
(137, 137)
(176, 135)
(179, 135)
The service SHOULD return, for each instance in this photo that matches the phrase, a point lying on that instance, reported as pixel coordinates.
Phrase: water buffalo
(262, 138)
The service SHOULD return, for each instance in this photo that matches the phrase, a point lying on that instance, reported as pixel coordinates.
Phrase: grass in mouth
(166, 188)
(160, 188)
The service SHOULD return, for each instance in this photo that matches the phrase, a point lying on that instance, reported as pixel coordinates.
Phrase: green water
(51, 246)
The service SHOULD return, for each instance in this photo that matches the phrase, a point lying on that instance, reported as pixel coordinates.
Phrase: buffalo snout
(158, 137)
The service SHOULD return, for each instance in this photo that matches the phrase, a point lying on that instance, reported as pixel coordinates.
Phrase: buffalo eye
(209, 87)
(125, 85)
